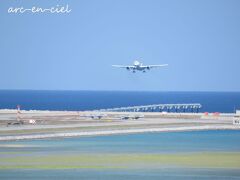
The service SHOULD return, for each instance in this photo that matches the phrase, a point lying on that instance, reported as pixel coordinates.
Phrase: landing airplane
(137, 66)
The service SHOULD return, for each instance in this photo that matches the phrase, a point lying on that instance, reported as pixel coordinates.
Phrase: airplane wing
(156, 66)
(120, 66)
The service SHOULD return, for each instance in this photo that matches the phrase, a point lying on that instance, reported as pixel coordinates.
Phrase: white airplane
(137, 66)
(126, 117)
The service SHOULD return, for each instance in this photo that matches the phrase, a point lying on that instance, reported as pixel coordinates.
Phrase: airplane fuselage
(137, 66)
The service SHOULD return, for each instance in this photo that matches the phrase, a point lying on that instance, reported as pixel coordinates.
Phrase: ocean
(201, 155)
(226, 102)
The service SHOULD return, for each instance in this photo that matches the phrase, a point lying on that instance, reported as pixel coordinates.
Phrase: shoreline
(116, 132)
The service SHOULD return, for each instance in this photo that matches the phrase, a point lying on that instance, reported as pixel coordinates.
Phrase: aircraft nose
(136, 63)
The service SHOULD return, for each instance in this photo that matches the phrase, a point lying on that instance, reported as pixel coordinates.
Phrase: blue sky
(200, 40)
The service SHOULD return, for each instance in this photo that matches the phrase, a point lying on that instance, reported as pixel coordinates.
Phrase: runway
(53, 124)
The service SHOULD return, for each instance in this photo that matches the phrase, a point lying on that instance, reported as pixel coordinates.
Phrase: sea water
(92, 100)
(148, 143)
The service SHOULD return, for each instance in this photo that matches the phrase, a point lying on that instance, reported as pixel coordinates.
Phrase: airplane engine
(128, 68)
(148, 68)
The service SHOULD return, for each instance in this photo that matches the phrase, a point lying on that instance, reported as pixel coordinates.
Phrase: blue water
(168, 142)
(90, 100)
(81, 174)
(172, 142)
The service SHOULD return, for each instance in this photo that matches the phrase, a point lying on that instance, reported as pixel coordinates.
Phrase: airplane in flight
(138, 66)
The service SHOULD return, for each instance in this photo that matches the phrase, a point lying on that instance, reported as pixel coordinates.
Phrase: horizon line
(118, 90)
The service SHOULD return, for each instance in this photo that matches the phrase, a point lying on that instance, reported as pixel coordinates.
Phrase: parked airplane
(137, 66)
(126, 117)
(94, 116)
